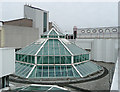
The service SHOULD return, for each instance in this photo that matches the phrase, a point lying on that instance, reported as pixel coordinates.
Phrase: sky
(69, 14)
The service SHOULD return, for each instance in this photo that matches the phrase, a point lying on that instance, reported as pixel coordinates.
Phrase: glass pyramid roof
(53, 56)
(53, 34)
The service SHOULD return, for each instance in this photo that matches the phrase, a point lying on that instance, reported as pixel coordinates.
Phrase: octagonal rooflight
(53, 56)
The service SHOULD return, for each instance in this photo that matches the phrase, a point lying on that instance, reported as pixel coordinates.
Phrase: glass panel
(17, 57)
(75, 73)
(33, 59)
(57, 71)
(57, 59)
(45, 36)
(51, 36)
(75, 49)
(42, 36)
(87, 56)
(76, 59)
(68, 61)
(87, 68)
(25, 58)
(22, 68)
(35, 89)
(38, 71)
(55, 36)
(63, 60)
(39, 59)
(62, 49)
(54, 71)
(82, 57)
(40, 52)
(53, 33)
(64, 71)
(45, 49)
(45, 59)
(51, 71)
(61, 36)
(51, 59)
(31, 49)
(20, 56)
(51, 48)
(26, 71)
(56, 47)
(29, 59)
(70, 72)
(18, 66)
(45, 71)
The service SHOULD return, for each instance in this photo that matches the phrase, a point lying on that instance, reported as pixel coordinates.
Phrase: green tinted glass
(39, 59)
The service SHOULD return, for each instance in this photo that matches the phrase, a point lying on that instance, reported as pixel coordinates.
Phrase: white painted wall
(37, 16)
(84, 43)
(101, 49)
(7, 61)
(104, 50)
(114, 85)
(39, 20)
(107, 32)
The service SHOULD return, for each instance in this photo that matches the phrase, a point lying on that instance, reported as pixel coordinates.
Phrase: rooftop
(35, 8)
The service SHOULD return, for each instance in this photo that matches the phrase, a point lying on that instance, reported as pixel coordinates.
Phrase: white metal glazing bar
(31, 71)
(77, 70)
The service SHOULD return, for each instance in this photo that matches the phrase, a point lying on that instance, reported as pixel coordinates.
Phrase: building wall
(0, 63)
(101, 49)
(115, 81)
(0, 35)
(20, 22)
(84, 43)
(105, 50)
(102, 41)
(7, 61)
(18, 37)
(50, 25)
(100, 32)
(37, 16)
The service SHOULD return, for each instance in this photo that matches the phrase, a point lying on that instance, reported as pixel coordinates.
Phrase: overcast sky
(69, 14)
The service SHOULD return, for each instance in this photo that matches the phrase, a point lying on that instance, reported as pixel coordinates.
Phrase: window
(114, 30)
(100, 30)
(94, 30)
(88, 31)
(45, 22)
(83, 31)
(107, 30)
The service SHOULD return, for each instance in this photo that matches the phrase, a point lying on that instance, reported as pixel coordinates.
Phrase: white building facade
(7, 65)
(40, 18)
(102, 42)
(95, 33)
